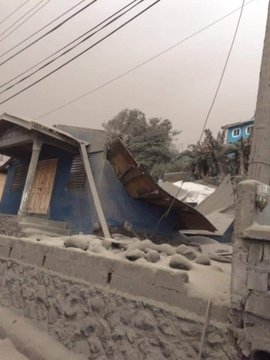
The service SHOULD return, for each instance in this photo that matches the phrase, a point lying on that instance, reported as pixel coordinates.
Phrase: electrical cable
(81, 53)
(118, 77)
(39, 30)
(34, 72)
(166, 213)
(23, 22)
(14, 11)
(79, 37)
(70, 49)
(48, 32)
(223, 71)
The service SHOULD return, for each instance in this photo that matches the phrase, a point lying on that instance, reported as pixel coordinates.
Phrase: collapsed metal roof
(140, 185)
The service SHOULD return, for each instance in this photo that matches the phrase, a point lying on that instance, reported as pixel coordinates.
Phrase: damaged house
(67, 179)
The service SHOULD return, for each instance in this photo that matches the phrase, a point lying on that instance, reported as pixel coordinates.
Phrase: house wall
(66, 205)
(119, 207)
(67, 293)
(77, 208)
(10, 201)
(243, 134)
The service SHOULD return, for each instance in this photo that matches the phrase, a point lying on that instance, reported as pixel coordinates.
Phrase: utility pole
(259, 166)
(250, 287)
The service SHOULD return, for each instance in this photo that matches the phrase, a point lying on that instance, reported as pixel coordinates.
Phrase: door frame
(41, 192)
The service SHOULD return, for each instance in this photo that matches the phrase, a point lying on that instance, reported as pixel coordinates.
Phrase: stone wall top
(166, 286)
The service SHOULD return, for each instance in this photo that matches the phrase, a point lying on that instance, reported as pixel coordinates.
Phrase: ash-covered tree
(126, 125)
(150, 140)
(208, 156)
(212, 157)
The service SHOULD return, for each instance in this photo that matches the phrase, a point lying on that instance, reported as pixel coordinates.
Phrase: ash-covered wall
(250, 291)
(106, 308)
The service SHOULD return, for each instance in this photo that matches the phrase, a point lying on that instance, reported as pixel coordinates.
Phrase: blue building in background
(239, 130)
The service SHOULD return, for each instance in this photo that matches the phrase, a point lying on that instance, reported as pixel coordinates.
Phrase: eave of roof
(239, 123)
(43, 129)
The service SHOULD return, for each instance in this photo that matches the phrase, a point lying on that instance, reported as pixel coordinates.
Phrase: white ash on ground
(201, 258)
(9, 352)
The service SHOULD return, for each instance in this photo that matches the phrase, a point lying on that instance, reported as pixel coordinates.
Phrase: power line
(42, 67)
(39, 30)
(14, 11)
(20, 18)
(141, 64)
(72, 42)
(223, 71)
(70, 49)
(81, 53)
(48, 32)
(24, 21)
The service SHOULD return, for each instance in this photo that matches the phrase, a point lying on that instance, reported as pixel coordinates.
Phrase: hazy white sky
(178, 85)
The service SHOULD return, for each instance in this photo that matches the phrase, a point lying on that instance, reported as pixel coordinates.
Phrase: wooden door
(41, 191)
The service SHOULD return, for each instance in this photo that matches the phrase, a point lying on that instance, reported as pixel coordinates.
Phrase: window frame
(238, 135)
(250, 128)
(19, 177)
(77, 175)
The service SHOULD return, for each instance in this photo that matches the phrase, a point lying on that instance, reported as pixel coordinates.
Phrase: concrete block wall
(106, 309)
(245, 208)
(250, 287)
(96, 269)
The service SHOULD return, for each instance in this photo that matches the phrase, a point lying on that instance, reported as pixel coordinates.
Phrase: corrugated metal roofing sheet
(140, 185)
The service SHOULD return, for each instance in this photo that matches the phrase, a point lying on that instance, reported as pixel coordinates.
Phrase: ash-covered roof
(239, 123)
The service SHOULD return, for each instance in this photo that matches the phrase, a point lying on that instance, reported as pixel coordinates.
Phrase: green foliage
(151, 141)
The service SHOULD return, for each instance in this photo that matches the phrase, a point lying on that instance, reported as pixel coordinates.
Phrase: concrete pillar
(250, 299)
(30, 176)
(245, 210)
(259, 168)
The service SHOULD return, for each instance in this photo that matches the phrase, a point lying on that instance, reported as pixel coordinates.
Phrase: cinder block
(17, 251)
(259, 304)
(90, 267)
(58, 260)
(150, 282)
(174, 280)
(257, 280)
(34, 253)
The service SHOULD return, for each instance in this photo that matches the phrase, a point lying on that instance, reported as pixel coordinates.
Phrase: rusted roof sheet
(140, 185)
